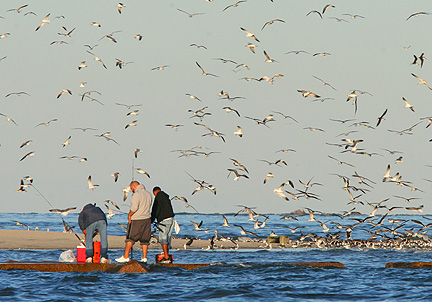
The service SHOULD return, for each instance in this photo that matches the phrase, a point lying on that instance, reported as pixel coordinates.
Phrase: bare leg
(128, 247)
(165, 250)
(144, 250)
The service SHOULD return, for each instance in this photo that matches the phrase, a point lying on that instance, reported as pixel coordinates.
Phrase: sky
(371, 53)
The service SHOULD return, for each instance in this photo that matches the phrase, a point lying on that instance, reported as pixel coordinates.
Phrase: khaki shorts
(139, 230)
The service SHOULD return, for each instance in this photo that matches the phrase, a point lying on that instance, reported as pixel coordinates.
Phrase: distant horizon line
(233, 213)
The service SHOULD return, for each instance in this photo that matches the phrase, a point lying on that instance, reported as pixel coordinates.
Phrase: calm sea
(242, 275)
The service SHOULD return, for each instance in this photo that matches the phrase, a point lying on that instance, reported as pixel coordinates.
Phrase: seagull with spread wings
(421, 81)
(271, 22)
(203, 72)
(248, 34)
(8, 118)
(17, 10)
(381, 118)
(234, 5)
(64, 212)
(97, 59)
(91, 186)
(408, 105)
(189, 15)
(43, 22)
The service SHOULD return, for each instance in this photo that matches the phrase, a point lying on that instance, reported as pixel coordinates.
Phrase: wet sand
(42, 240)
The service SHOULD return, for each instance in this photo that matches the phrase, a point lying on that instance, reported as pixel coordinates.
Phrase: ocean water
(242, 275)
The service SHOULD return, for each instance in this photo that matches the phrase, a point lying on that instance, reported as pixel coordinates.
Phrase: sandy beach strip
(42, 240)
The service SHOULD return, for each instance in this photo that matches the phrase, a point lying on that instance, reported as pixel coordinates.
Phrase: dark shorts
(139, 230)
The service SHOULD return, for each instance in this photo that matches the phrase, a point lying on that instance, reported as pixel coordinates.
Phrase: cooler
(81, 254)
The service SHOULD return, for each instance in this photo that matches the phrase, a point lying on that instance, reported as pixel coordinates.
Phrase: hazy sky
(366, 54)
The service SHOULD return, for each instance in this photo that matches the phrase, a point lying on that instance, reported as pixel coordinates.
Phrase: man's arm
(130, 215)
(154, 212)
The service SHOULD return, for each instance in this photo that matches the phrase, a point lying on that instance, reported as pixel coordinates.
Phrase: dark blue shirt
(89, 214)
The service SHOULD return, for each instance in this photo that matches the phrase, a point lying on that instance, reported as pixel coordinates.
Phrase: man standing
(139, 227)
(163, 212)
(92, 220)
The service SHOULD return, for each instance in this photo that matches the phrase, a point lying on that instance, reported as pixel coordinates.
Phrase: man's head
(133, 185)
(156, 190)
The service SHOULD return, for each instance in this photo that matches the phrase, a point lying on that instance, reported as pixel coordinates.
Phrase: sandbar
(42, 240)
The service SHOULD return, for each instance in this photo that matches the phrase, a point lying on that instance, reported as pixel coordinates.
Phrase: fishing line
(133, 167)
(64, 221)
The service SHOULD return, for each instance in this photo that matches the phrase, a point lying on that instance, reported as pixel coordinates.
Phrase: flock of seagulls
(225, 107)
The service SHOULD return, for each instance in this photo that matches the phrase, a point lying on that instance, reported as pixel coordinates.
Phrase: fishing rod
(133, 167)
(64, 221)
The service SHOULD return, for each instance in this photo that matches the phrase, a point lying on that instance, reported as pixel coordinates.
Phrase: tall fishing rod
(64, 221)
(133, 167)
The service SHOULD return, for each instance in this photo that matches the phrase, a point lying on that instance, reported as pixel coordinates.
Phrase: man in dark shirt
(91, 220)
(163, 212)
